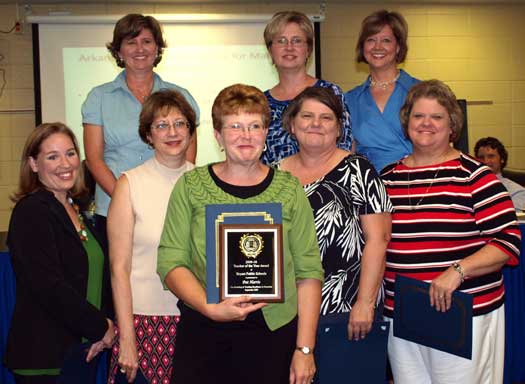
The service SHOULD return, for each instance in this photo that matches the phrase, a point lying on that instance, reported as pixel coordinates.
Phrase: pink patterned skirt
(155, 348)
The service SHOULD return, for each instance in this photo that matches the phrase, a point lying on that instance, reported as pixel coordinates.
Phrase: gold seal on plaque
(251, 245)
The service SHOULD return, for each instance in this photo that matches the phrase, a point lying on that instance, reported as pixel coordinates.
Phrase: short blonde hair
(281, 20)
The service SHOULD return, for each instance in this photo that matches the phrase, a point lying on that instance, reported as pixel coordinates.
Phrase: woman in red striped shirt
(453, 226)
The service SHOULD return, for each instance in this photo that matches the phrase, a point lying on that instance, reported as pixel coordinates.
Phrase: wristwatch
(305, 350)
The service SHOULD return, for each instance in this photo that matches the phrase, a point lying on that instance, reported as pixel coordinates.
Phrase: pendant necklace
(413, 207)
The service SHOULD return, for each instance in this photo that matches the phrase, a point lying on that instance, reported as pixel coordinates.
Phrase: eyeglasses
(238, 128)
(295, 41)
(164, 126)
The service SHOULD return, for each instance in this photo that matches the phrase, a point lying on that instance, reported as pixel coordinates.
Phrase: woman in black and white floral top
(350, 205)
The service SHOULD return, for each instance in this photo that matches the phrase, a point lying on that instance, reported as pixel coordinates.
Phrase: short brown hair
(323, 95)
(161, 103)
(439, 91)
(373, 24)
(28, 180)
(281, 20)
(239, 98)
(129, 27)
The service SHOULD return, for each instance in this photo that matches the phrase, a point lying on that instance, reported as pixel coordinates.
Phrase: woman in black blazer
(57, 261)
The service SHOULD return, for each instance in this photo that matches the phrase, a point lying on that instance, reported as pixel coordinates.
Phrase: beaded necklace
(82, 233)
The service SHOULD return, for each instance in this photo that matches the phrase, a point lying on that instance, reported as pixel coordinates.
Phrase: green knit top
(183, 241)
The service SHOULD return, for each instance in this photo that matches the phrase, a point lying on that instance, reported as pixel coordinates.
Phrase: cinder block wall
(476, 48)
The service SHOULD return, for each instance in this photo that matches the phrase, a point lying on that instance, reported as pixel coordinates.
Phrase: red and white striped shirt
(442, 214)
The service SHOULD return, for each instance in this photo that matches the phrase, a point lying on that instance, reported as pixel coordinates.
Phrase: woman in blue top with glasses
(289, 37)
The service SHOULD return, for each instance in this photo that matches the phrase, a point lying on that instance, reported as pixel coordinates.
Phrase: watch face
(304, 350)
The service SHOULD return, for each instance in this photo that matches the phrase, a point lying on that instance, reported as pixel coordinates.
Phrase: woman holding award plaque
(350, 206)
(238, 340)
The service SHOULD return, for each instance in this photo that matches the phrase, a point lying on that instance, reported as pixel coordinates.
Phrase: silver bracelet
(459, 269)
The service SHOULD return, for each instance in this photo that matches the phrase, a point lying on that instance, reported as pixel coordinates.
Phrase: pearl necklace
(383, 84)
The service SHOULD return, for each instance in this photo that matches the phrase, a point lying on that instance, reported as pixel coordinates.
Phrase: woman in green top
(236, 340)
(56, 260)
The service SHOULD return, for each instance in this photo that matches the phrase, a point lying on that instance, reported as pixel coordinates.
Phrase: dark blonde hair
(281, 20)
(373, 24)
(323, 95)
(129, 27)
(28, 180)
(161, 103)
(439, 91)
(239, 98)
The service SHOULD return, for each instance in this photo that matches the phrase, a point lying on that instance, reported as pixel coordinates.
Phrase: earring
(265, 147)
(150, 146)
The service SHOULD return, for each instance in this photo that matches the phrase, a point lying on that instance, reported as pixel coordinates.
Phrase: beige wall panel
(5, 100)
(443, 23)
(5, 149)
(20, 51)
(22, 124)
(338, 48)
(5, 203)
(418, 48)
(496, 114)
(449, 47)
(4, 50)
(518, 137)
(517, 157)
(417, 23)
(489, 69)
(518, 90)
(494, 91)
(449, 70)
(4, 219)
(493, 21)
(518, 113)
(20, 76)
(22, 98)
(5, 125)
(8, 174)
(489, 48)
(17, 147)
(479, 131)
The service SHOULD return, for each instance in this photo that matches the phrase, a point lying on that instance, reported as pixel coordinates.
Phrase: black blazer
(51, 267)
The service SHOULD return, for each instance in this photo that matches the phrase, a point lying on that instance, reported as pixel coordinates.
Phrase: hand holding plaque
(251, 262)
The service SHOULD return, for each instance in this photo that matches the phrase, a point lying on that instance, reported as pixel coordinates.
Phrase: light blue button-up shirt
(116, 110)
(379, 136)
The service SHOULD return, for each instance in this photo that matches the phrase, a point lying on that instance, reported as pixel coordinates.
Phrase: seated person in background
(491, 152)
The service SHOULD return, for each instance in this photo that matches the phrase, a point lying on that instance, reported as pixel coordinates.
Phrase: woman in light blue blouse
(289, 37)
(110, 113)
(375, 104)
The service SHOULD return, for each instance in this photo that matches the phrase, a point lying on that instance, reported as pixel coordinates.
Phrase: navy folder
(263, 213)
(415, 320)
(340, 360)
